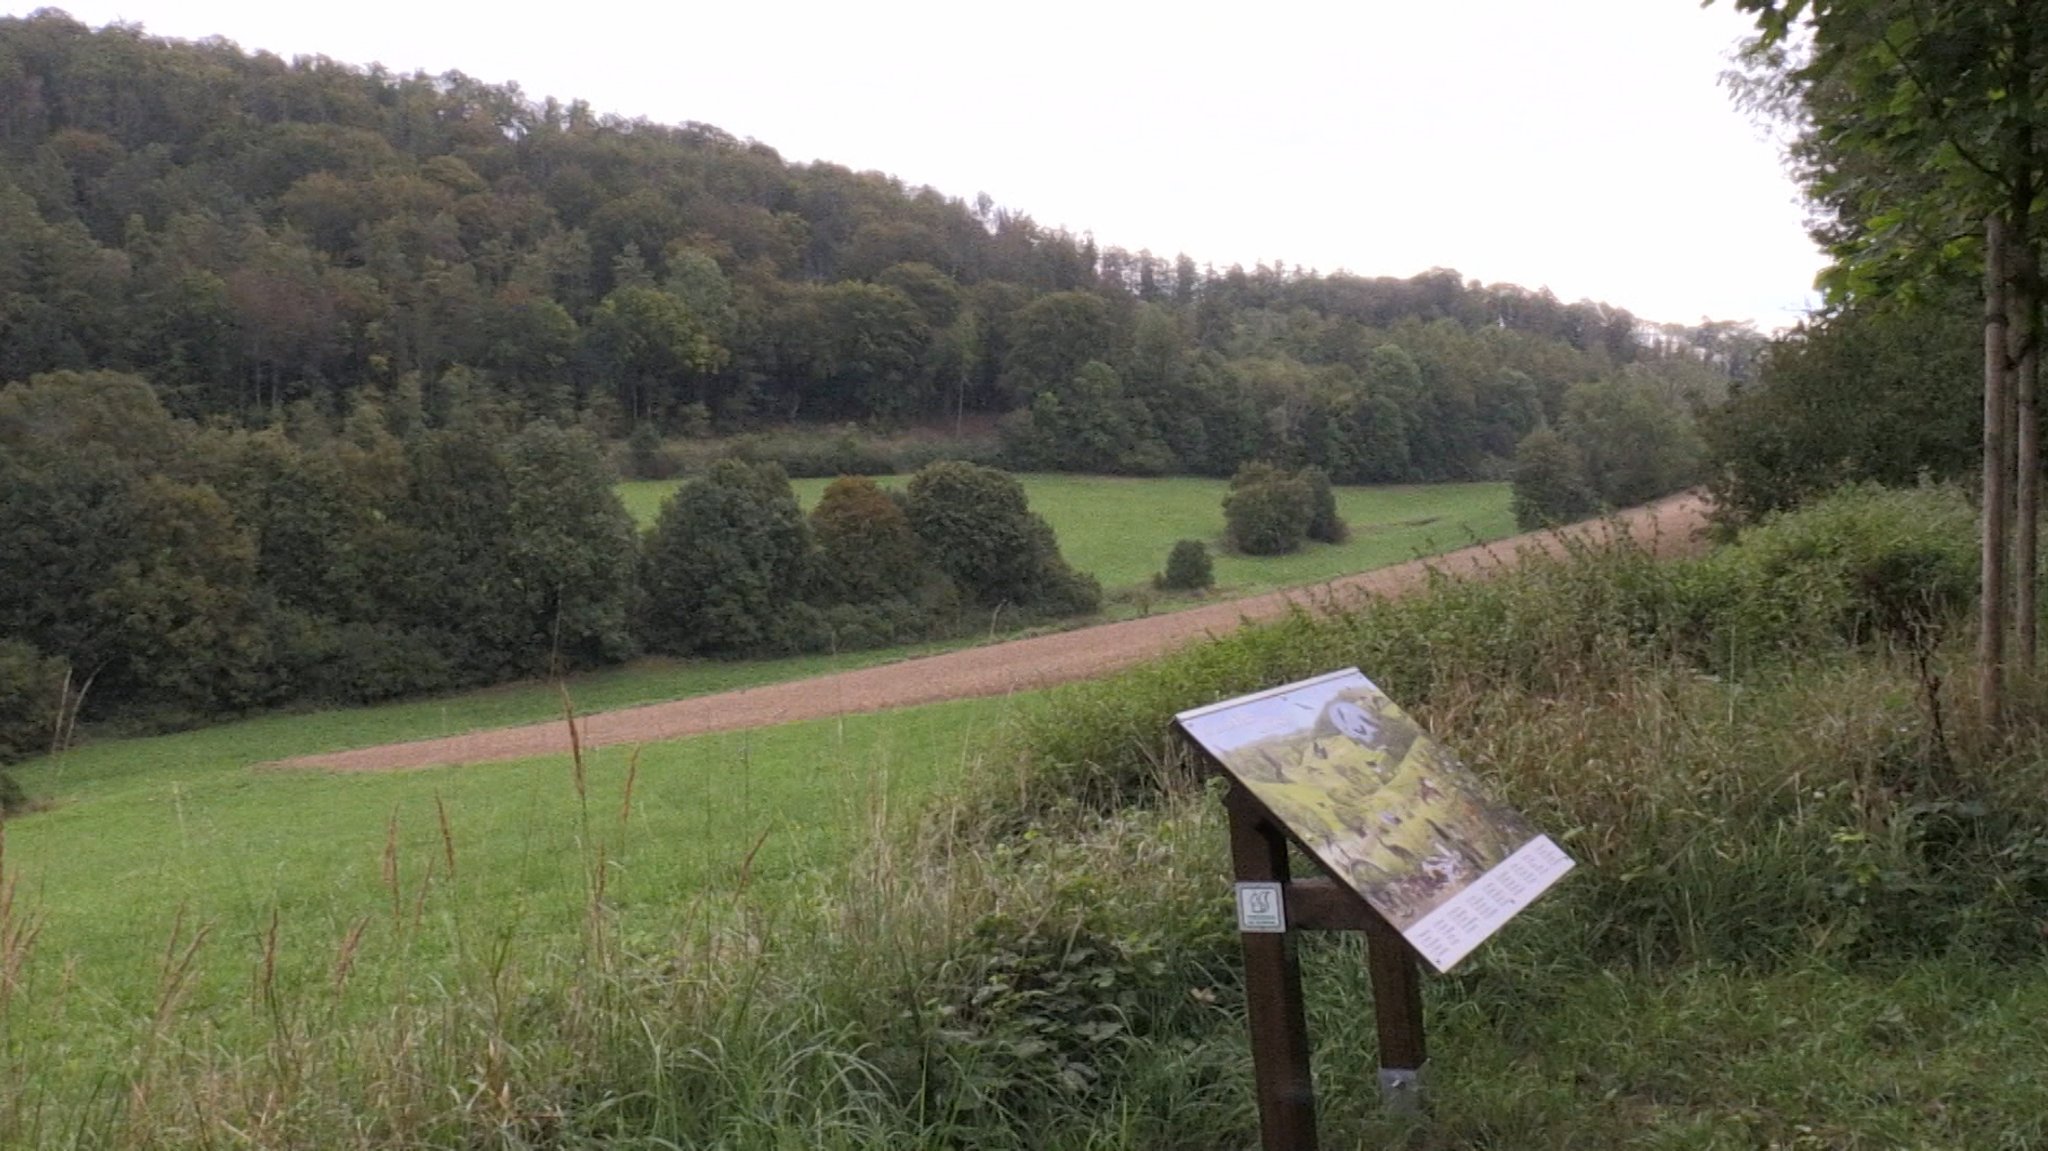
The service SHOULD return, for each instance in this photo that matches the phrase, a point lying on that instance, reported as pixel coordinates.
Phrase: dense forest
(313, 377)
(254, 235)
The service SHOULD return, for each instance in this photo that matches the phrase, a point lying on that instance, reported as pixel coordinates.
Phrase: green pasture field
(147, 841)
(104, 760)
(1120, 529)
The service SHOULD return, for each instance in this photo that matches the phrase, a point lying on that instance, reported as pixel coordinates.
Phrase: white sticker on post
(1260, 908)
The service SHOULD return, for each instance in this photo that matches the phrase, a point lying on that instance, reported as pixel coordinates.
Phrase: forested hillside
(311, 376)
(250, 234)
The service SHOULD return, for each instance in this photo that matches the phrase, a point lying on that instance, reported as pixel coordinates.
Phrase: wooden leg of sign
(1272, 977)
(1397, 1001)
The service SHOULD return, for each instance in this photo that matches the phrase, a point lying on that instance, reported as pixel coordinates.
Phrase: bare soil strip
(1671, 526)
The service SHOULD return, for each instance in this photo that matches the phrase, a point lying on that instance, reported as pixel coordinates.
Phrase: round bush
(1187, 568)
(1268, 511)
(725, 562)
(866, 550)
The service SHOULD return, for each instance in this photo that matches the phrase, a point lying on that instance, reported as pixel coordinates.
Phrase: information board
(1385, 808)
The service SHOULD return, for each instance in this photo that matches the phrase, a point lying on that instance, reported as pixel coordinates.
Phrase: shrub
(1059, 590)
(361, 662)
(1807, 805)
(976, 525)
(1187, 568)
(1863, 563)
(647, 457)
(1549, 482)
(31, 691)
(1848, 569)
(878, 623)
(1325, 525)
(725, 563)
(1268, 511)
(814, 455)
(978, 528)
(866, 550)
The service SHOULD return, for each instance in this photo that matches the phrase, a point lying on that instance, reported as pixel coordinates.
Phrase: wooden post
(1397, 1006)
(1272, 989)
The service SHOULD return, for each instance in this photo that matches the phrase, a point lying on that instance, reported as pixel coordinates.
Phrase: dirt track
(994, 669)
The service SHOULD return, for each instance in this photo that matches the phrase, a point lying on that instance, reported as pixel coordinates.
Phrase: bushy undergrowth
(1864, 566)
(1753, 750)
(32, 689)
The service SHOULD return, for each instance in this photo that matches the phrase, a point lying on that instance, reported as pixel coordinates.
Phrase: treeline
(165, 571)
(1886, 390)
(255, 235)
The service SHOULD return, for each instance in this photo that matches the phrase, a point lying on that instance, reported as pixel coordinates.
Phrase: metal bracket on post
(1401, 1090)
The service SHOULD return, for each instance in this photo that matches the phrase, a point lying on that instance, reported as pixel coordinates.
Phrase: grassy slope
(1121, 529)
(149, 832)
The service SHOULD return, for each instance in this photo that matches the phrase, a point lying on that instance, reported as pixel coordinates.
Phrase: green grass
(1121, 529)
(154, 839)
(1940, 1053)
(283, 734)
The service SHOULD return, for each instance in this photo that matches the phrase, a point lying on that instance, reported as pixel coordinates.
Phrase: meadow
(1120, 528)
(1808, 913)
(188, 827)
(368, 890)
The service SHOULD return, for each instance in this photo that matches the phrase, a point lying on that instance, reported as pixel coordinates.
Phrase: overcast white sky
(1583, 145)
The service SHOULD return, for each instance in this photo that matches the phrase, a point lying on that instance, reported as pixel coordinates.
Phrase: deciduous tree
(1922, 127)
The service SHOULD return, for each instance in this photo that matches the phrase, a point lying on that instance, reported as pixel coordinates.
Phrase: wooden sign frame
(1274, 1005)
(1412, 852)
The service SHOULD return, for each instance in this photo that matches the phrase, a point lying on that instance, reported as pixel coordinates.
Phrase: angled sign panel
(1384, 807)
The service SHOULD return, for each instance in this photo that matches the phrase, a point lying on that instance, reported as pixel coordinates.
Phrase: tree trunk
(2024, 318)
(2025, 323)
(1997, 420)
